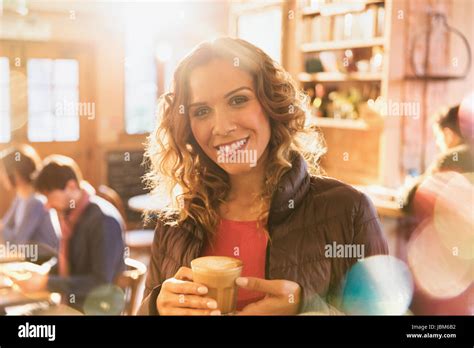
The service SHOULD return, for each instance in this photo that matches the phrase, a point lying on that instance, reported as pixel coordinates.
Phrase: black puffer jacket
(307, 213)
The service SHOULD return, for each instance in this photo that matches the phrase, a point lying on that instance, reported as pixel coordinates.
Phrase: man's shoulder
(92, 214)
(94, 219)
(108, 209)
(36, 204)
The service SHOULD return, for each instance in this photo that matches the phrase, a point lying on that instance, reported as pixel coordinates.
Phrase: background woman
(27, 220)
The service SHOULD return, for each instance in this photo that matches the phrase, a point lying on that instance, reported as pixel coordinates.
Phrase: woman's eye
(238, 100)
(201, 112)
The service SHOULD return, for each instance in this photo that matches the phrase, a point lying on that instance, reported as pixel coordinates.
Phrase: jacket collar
(291, 191)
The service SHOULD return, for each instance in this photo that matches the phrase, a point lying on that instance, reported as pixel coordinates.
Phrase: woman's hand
(181, 296)
(282, 296)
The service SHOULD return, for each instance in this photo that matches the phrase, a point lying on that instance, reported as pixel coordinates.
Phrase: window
(140, 82)
(5, 124)
(262, 28)
(53, 100)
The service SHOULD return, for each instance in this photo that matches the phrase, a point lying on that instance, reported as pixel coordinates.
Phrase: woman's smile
(230, 148)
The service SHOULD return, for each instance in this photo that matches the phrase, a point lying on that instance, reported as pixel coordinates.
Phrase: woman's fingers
(262, 285)
(183, 287)
(193, 301)
(184, 273)
(188, 311)
(274, 287)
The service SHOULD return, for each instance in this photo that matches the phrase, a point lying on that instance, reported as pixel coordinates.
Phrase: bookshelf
(323, 42)
(339, 77)
(337, 9)
(327, 122)
(341, 45)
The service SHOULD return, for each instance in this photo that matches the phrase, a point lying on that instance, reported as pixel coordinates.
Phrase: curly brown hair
(176, 159)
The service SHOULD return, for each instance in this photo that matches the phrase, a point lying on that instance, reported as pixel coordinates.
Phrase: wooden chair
(129, 282)
(110, 195)
(138, 240)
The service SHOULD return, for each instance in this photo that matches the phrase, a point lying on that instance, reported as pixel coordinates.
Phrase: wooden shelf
(341, 45)
(357, 6)
(435, 77)
(327, 122)
(339, 77)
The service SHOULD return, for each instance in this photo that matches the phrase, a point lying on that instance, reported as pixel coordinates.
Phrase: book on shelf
(338, 28)
(359, 25)
(380, 21)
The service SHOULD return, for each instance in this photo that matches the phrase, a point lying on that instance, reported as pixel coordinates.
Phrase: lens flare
(437, 270)
(454, 216)
(378, 285)
(440, 251)
(105, 300)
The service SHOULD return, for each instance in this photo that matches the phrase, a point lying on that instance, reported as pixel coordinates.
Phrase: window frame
(239, 9)
(84, 150)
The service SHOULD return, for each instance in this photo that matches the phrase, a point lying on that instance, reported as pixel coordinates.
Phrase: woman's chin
(236, 168)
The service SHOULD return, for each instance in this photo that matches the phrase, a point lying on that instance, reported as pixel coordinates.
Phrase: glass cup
(218, 274)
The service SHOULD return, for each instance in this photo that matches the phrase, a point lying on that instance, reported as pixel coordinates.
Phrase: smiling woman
(231, 105)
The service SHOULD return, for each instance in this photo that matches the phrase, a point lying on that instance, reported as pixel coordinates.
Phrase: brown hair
(21, 160)
(449, 119)
(56, 172)
(177, 159)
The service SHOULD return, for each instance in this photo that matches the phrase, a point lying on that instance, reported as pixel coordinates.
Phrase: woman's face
(226, 117)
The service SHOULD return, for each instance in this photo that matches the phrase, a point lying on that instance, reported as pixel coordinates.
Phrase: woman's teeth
(235, 146)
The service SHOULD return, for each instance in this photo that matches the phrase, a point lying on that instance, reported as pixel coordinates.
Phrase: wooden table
(148, 202)
(12, 296)
(140, 240)
(60, 309)
(384, 199)
(388, 208)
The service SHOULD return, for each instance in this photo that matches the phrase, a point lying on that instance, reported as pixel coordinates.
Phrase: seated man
(91, 245)
(26, 221)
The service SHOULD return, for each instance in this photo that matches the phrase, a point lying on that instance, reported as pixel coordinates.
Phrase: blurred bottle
(321, 101)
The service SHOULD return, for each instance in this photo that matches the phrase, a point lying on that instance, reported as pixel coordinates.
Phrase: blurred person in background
(91, 246)
(456, 154)
(440, 231)
(27, 220)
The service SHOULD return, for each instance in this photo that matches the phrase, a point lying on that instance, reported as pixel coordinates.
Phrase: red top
(246, 241)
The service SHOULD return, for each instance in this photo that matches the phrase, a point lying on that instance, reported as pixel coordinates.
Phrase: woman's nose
(223, 125)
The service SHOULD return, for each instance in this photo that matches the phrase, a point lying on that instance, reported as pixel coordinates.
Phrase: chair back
(110, 195)
(129, 281)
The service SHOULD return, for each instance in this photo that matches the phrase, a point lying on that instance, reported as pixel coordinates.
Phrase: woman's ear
(72, 185)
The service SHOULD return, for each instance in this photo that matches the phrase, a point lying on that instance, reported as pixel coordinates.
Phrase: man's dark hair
(450, 119)
(21, 160)
(56, 172)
